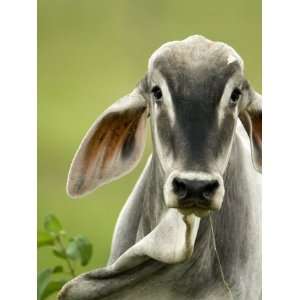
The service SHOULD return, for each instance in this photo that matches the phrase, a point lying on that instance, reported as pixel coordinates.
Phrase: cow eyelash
(235, 95)
(157, 93)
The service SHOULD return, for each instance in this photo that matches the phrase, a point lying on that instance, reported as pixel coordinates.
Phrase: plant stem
(72, 271)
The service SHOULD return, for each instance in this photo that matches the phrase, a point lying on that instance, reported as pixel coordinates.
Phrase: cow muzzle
(192, 192)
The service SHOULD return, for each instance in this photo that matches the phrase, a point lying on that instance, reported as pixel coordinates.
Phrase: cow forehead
(194, 56)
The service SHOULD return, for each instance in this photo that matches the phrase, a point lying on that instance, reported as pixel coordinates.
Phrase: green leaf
(47, 287)
(44, 239)
(72, 250)
(58, 269)
(59, 253)
(52, 225)
(42, 282)
(52, 287)
(80, 247)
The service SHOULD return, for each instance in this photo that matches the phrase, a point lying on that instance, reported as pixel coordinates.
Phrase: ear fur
(112, 147)
(251, 118)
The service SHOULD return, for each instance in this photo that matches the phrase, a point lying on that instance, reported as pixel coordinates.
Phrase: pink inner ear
(113, 133)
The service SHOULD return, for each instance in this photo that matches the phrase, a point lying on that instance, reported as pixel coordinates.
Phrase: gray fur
(135, 272)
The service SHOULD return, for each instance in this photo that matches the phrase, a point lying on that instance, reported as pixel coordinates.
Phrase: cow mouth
(195, 210)
(197, 204)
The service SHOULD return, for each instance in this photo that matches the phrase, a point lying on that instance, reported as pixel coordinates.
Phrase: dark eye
(235, 95)
(157, 93)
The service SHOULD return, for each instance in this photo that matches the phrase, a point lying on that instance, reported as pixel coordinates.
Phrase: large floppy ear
(112, 147)
(251, 117)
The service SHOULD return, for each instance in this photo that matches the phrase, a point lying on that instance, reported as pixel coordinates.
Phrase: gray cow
(191, 227)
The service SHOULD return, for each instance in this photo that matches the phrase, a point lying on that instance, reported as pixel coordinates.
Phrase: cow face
(194, 92)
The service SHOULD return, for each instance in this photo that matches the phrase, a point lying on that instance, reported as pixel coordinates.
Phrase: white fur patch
(242, 134)
(231, 59)
(158, 79)
(224, 102)
(233, 56)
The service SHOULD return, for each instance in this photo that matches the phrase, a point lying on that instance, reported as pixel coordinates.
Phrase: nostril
(213, 185)
(209, 189)
(200, 191)
(206, 195)
(179, 188)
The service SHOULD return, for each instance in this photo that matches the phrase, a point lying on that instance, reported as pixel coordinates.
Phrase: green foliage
(46, 285)
(45, 239)
(71, 250)
(52, 225)
(80, 248)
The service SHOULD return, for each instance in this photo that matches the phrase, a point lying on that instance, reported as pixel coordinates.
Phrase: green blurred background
(90, 53)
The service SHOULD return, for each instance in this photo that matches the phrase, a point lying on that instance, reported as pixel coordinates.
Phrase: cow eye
(156, 92)
(235, 95)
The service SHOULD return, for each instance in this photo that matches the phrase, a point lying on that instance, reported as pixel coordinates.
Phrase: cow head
(194, 92)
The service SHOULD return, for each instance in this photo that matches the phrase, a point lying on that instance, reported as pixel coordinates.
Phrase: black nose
(200, 191)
